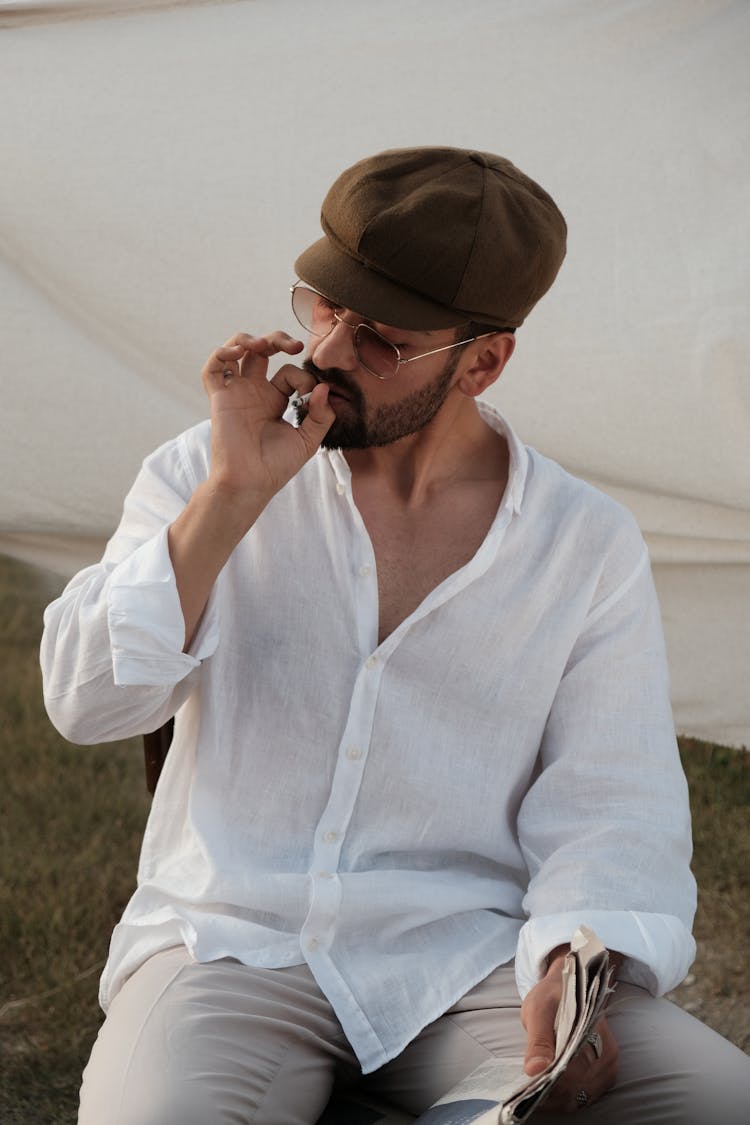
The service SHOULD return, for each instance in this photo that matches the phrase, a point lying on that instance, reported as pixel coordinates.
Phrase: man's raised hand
(254, 452)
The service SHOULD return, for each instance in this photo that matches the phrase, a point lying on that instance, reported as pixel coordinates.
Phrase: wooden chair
(155, 748)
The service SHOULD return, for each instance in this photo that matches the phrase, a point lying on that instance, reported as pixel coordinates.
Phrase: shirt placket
(319, 927)
(325, 886)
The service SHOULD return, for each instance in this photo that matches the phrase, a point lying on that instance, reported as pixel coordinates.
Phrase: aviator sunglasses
(379, 356)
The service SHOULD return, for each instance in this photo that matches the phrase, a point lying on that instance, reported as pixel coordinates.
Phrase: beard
(355, 428)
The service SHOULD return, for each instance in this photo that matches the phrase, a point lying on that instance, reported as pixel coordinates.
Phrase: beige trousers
(224, 1044)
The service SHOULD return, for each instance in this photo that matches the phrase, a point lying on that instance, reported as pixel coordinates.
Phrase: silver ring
(582, 1098)
(594, 1040)
(228, 374)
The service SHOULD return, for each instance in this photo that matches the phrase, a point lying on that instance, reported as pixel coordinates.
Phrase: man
(422, 719)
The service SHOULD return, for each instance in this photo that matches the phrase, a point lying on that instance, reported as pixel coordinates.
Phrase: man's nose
(336, 349)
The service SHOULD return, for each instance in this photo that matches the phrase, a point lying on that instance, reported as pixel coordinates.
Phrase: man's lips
(336, 392)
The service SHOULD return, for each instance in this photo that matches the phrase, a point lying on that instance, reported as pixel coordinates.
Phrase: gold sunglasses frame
(400, 361)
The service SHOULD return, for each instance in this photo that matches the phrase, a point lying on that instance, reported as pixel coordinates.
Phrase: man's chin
(343, 434)
(348, 430)
(345, 437)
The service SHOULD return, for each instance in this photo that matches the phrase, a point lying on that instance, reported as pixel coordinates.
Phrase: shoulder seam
(612, 599)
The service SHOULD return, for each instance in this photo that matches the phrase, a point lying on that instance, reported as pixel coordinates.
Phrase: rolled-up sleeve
(605, 828)
(112, 649)
(146, 625)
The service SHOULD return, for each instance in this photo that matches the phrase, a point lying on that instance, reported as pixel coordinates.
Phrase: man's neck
(457, 446)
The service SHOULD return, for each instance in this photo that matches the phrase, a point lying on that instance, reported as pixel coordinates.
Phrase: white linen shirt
(403, 816)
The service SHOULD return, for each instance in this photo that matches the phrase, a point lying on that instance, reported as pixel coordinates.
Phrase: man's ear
(489, 358)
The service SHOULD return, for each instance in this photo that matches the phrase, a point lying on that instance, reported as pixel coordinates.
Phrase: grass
(717, 990)
(71, 820)
(70, 827)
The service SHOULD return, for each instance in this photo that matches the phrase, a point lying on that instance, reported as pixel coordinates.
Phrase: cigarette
(301, 400)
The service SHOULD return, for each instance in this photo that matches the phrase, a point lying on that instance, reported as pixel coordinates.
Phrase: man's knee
(163, 1104)
(295, 1093)
(674, 1068)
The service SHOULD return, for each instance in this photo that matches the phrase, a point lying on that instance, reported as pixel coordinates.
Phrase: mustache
(331, 375)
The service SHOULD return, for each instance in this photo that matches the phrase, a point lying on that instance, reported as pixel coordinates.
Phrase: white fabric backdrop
(163, 164)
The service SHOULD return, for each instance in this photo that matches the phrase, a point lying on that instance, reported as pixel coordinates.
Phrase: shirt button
(340, 488)
(354, 753)
(325, 875)
(330, 837)
(312, 944)
(371, 663)
(365, 570)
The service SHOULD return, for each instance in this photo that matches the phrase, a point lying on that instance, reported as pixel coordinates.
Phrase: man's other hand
(589, 1074)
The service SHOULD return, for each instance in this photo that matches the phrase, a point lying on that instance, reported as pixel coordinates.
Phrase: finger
(231, 359)
(290, 379)
(221, 366)
(540, 1037)
(318, 419)
(599, 1049)
(569, 1096)
(564, 1094)
(278, 341)
(261, 348)
(242, 344)
(587, 1074)
(539, 1054)
(228, 353)
(243, 339)
(595, 1044)
(228, 356)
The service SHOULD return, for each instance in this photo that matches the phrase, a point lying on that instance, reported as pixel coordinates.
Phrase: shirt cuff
(146, 625)
(658, 948)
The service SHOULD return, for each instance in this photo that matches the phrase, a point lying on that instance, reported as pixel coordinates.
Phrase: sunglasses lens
(312, 310)
(375, 353)
(319, 315)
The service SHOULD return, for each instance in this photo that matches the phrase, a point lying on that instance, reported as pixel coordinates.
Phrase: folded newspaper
(499, 1092)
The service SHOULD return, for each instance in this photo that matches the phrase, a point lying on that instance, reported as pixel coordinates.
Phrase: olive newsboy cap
(434, 238)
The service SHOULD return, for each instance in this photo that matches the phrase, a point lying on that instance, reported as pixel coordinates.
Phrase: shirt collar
(517, 468)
